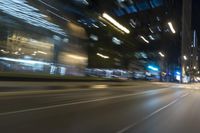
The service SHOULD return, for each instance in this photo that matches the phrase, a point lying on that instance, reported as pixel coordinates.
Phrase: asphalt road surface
(174, 109)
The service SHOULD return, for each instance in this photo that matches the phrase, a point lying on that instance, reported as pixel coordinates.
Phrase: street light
(171, 27)
(115, 23)
(144, 39)
(161, 54)
(185, 57)
(153, 68)
(103, 56)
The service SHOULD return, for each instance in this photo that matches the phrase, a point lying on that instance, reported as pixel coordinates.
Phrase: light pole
(162, 56)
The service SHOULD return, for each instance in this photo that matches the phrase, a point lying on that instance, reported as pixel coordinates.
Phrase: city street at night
(99, 66)
(143, 108)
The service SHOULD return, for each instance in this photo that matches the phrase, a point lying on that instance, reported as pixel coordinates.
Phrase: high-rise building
(186, 37)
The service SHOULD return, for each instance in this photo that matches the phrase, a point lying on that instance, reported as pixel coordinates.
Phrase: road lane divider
(184, 95)
(75, 103)
(131, 126)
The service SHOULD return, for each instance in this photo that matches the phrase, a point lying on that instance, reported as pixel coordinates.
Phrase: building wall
(34, 39)
(186, 34)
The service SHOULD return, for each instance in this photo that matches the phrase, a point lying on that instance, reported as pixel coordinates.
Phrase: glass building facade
(36, 37)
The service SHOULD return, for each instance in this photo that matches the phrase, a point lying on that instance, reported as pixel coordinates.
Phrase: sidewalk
(9, 86)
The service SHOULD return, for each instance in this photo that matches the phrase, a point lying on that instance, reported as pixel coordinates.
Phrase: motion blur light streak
(178, 73)
(85, 2)
(161, 54)
(171, 27)
(102, 23)
(58, 16)
(151, 37)
(153, 68)
(143, 38)
(99, 86)
(116, 41)
(24, 61)
(103, 56)
(76, 57)
(95, 26)
(151, 30)
(132, 25)
(6, 52)
(41, 52)
(48, 5)
(114, 22)
(94, 37)
(29, 14)
(185, 57)
(158, 27)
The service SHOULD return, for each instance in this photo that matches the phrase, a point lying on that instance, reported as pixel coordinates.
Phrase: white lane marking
(45, 91)
(145, 118)
(34, 92)
(150, 115)
(74, 103)
(184, 95)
